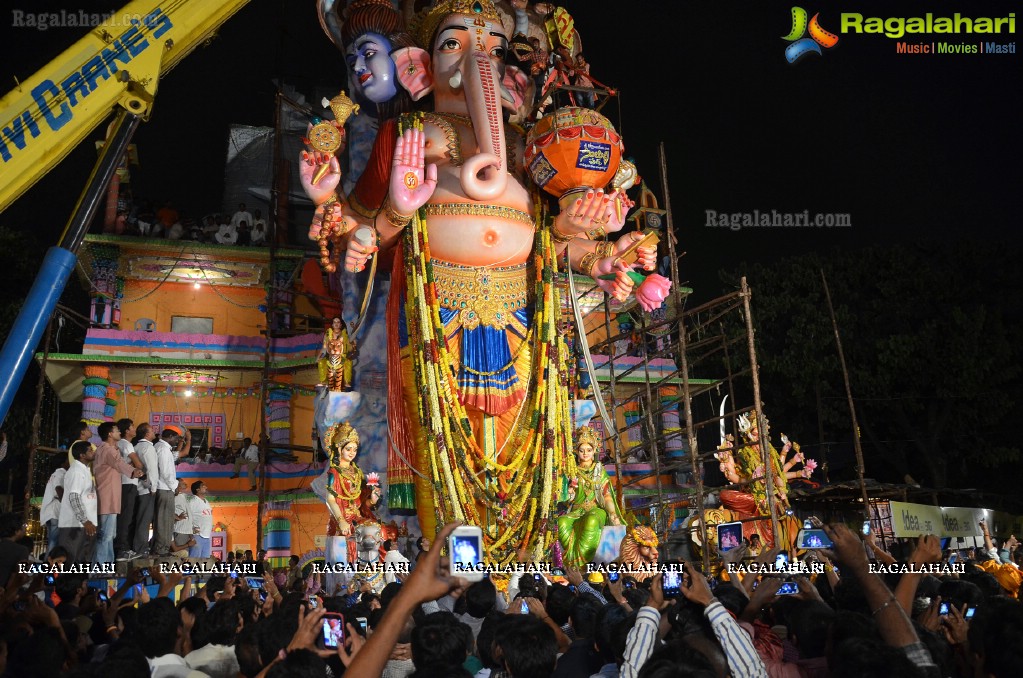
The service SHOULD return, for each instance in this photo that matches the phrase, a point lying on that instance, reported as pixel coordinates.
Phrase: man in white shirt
(79, 507)
(227, 235)
(166, 484)
(129, 492)
(146, 501)
(183, 540)
(250, 457)
(241, 215)
(392, 557)
(257, 236)
(201, 514)
(49, 513)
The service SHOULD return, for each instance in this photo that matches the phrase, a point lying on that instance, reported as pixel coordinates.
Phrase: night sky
(912, 147)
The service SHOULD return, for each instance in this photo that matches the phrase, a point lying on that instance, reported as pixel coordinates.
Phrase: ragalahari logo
(801, 46)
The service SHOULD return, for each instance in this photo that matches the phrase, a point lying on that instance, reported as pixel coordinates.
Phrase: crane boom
(115, 68)
(118, 63)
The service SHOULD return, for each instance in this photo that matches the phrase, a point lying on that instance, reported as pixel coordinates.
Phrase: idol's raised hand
(412, 181)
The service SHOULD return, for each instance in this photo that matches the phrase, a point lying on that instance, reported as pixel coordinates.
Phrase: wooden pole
(762, 432)
(848, 394)
(37, 421)
(695, 465)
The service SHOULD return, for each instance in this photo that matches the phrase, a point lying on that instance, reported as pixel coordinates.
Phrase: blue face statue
(370, 69)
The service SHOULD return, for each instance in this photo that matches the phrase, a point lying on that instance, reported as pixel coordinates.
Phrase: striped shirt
(742, 657)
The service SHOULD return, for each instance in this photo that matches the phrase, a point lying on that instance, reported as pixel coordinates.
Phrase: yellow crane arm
(119, 63)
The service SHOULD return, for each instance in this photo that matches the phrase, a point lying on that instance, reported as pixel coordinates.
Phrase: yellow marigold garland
(458, 468)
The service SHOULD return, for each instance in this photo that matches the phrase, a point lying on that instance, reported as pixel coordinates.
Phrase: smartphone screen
(788, 588)
(466, 544)
(671, 583)
(312, 602)
(613, 576)
(333, 631)
(49, 580)
(943, 610)
(363, 624)
(866, 527)
(781, 561)
(102, 596)
(970, 612)
(814, 539)
(952, 557)
(729, 536)
(524, 607)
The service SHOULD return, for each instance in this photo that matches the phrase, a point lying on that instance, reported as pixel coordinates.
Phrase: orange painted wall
(171, 299)
(241, 415)
(308, 521)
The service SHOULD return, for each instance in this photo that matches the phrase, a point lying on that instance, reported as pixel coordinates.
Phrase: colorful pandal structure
(464, 357)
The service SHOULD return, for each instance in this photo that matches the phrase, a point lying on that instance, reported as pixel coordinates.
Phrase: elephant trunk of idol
(484, 176)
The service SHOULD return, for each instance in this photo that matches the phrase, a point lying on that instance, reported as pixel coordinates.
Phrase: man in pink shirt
(107, 468)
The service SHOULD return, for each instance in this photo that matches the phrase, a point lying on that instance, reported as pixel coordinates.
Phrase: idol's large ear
(412, 66)
(514, 86)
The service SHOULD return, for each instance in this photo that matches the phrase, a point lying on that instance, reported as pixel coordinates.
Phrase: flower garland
(520, 492)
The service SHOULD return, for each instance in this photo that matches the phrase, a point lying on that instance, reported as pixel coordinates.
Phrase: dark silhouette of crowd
(846, 621)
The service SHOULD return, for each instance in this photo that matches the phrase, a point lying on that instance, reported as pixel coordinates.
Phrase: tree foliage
(930, 335)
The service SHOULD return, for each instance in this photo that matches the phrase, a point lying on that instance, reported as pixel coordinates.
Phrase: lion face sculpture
(639, 550)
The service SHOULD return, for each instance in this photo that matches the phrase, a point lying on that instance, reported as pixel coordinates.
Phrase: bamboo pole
(762, 432)
(848, 394)
(37, 420)
(696, 465)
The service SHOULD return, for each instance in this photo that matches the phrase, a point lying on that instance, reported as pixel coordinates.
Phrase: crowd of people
(847, 622)
(243, 227)
(122, 499)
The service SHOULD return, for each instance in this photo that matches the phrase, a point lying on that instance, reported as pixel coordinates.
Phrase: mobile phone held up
(866, 528)
(788, 588)
(613, 577)
(524, 607)
(465, 546)
(943, 610)
(671, 584)
(729, 536)
(333, 631)
(813, 539)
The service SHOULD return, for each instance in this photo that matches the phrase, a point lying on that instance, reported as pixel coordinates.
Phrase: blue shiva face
(370, 69)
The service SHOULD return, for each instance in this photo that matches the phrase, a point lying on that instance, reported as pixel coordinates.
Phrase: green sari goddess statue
(591, 499)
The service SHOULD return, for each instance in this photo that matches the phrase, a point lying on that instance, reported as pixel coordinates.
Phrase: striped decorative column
(634, 436)
(277, 533)
(95, 387)
(671, 428)
(278, 415)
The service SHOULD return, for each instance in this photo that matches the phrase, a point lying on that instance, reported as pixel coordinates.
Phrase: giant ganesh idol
(475, 360)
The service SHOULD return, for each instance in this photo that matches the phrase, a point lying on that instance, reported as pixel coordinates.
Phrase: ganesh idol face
(457, 72)
(371, 71)
(584, 454)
